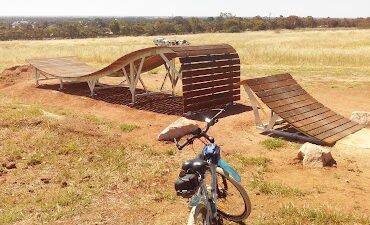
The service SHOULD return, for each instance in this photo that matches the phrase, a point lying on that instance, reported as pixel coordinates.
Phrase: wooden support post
(173, 74)
(134, 77)
(37, 77)
(253, 101)
(92, 84)
(61, 84)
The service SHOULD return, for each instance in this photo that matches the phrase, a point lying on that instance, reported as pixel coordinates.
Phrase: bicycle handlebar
(201, 132)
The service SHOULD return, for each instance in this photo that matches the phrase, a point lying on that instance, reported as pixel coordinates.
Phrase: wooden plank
(282, 96)
(273, 85)
(320, 123)
(209, 90)
(307, 115)
(209, 84)
(328, 126)
(336, 130)
(231, 62)
(209, 104)
(294, 106)
(199, 47)
(265, 93)
(288, 101)
(213, 96)
(301, 110)
(210, 77)
(268, 79)
(210, 71)
(204, 52)
(332, 139)
(314, 119)
(207, 58)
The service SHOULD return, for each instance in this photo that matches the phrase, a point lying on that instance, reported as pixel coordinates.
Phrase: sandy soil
(343, 187)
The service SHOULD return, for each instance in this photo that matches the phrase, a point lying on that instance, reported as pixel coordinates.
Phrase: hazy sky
(316, 8)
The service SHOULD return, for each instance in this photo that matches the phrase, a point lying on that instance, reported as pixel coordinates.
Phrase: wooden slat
(213, 96)
(328, 126)
(210, 103)
(313, 119)
(288, 101)
(268, 79)
(301, 110)
(282, 96)
(294, 106)
(207, 58)
(332, 139)
(210, 84)
(187, 67)
(209, 90)
(210, 71)
(265, 93)
(204, 52)
(307, 115)
(320, 123)
(336, 130)
(209, 77)
(268, 86)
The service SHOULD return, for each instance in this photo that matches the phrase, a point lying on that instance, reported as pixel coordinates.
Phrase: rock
(45, 180)
(10, 165)
(64, 184)
(178, 129)
(315, 156)
(361, 117)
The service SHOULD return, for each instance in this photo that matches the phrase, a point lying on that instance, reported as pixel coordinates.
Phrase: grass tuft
(255, 161)
(290, 214)
(265, 187)
(127, 128)
(273, 143)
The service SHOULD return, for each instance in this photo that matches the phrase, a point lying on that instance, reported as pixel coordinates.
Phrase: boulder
(178, 129)
(361, 117)
(315, 156)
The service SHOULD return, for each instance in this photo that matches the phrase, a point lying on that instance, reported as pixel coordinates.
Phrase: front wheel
(233, 202)
(198, 215)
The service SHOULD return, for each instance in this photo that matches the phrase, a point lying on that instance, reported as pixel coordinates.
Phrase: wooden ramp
(208, 72)
(289, 101)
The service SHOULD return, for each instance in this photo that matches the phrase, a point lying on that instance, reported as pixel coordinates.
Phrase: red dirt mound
(11, 75)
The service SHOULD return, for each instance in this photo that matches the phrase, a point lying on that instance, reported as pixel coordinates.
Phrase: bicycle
(209, 200)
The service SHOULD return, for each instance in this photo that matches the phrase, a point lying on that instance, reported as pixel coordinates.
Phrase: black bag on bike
(187, 184)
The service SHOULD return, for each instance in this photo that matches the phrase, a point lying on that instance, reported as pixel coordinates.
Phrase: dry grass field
(81, 160)
(311, 54)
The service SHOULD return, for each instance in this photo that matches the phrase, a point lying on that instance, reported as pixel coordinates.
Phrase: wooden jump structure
(209, 73)
(289, 102)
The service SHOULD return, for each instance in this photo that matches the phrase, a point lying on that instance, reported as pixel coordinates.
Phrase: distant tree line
(60, 28)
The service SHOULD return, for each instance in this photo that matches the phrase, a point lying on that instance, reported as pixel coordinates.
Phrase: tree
(115, 27)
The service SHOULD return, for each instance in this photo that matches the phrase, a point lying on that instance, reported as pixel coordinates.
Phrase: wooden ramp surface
(284, 96)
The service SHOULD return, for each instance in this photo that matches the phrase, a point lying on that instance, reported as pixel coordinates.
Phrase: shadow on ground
(160, 103)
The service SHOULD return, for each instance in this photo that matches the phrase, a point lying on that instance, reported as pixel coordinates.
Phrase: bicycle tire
(247, 203)
(197, 215)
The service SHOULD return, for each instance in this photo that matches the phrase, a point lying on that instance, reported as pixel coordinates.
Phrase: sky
(242, 8)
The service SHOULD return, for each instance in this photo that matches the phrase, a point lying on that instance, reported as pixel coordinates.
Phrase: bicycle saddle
(195, 165)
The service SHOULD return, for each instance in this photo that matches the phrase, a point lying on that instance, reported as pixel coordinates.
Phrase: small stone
(10, 165)
(63, 184)
(258, 193)
(45, 180)
(347, 181)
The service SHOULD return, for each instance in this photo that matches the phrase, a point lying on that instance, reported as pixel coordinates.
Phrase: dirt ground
(341, 188)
